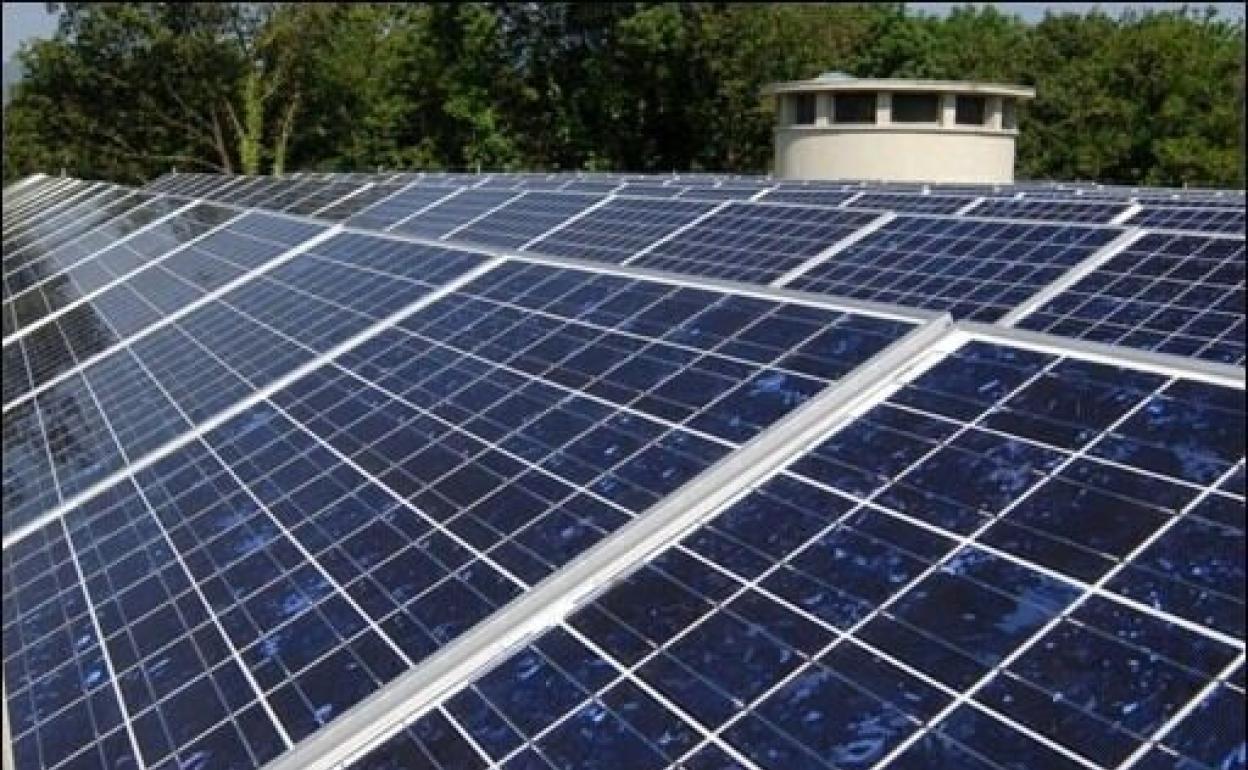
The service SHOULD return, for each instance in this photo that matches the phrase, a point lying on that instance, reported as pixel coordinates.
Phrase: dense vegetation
(125, 91)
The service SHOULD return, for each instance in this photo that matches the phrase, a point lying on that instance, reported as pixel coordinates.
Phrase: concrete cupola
(840, 127)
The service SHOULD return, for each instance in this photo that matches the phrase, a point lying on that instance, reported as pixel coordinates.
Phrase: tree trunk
(283, 135)
(250, 134)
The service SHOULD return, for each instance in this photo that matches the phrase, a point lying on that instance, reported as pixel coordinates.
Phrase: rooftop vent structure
(836, 126)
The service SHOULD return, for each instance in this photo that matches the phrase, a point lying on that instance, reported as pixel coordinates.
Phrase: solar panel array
(570, 471)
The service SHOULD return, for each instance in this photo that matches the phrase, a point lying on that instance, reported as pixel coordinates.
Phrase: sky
(26, 21)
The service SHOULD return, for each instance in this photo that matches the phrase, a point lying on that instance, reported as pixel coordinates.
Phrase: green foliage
(126, 90)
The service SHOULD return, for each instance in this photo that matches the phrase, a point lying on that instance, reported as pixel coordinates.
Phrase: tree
(125, 90)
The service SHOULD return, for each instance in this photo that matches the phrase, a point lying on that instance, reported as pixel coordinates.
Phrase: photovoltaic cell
(525, 218)
(54, 262)
(977, 269)
(389, 211)
(719, 193)
(158, 290)
(73, 223)
(292, 194)
(262, 189)
(348, 207)
(323, 542)
(1205, 219)
(910, 203)
(1180, 294)
(451, 213)
(753, 241)
(322, 197)
(642, 190)
(66, 206)
(211, 358)
(63, 289)
(620, 228)
(1015, 559)
(1052, 210)
(62, 703)
(809, 197)
(877, 610)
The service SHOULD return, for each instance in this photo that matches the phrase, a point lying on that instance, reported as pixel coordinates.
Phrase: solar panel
(48, 204)
(49, 232)
(907, 595)
(172, 184)
(400, 206)
(243, 188)
(753, 241)
(650, 190)
(1179, 294)
(21, 199)
(911, 203)
(281, 493)
(198, 352)
(601, 187)
(265, 188)
(291, 195)
(322, 197)
(833, 197)
(977, 269)
(75, 283)
(720, 193)
(1054, 210)
(454, 212)
(1215, 220)
(299, 552)
(525, 218)
(620, 228)
(357, 202)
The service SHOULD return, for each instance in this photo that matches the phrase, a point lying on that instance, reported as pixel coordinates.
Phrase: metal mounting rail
(386, 712)
(1226, 375)
(1126, 214)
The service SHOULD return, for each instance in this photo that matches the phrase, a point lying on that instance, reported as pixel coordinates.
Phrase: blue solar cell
(719, 193)
(66, 205)
(811, 620)
(322, 197)
(809, 197)
(620, 228)
(1052, 210)
(910, 203)
(83, 254)
(158, 290)
(387, 212)
(54, 233)
(975, 269)
(346, 209)
(525, 218)
(61, 703)
(1202, 219)
(1178, 294)
(213, 356)
(443, 218)
(727, 381)
(753, 242)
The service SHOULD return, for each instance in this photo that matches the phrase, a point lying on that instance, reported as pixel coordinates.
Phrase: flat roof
(898, 84)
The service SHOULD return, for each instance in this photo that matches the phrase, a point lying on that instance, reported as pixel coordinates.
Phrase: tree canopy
(125, 91)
